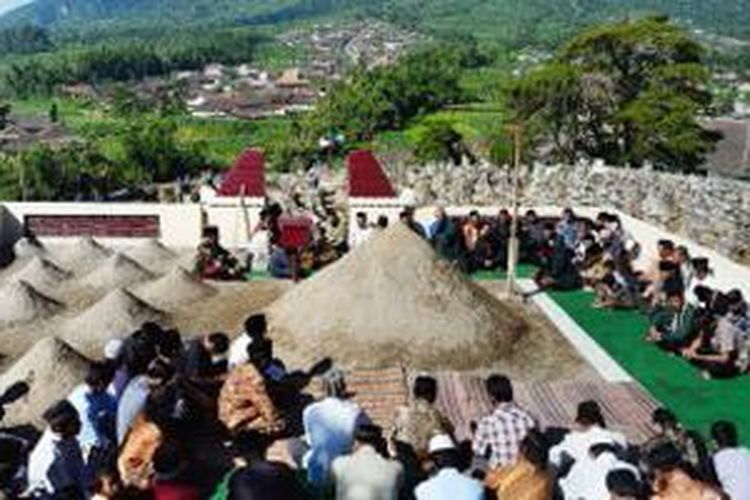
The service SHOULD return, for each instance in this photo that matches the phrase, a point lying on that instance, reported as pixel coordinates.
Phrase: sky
(6, 5)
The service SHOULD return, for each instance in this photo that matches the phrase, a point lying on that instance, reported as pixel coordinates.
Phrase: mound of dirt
(118, 270)
(391, 301)
(52, 369)
(42, 273)
(26, 248)
(176, 288)
(153, 254)
(117, 314)
(82, 256)
(22, 302)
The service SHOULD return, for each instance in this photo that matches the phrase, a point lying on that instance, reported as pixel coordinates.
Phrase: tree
(5, 110)
(439, 141)
(627, 93)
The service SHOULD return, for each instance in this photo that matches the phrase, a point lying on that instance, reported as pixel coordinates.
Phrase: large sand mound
(42, 273)
(52, 369)
(20, 301)
(153, 254)
(117, 314)
(25, 248)
(176, 288)
(81, 256)
(118, 270)
(393, 300)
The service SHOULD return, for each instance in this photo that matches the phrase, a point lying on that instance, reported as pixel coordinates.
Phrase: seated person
(690, 443)
(617, 287)
(560, 272)
(279, 263)
(207, 358)
(589, 257)
(214, 261)
(668, 278)
(673, 328)
(529, 477)
(715, 348)
(445, 237)
(531, 237)
(471, 231)
(244, 402)
(739, 316)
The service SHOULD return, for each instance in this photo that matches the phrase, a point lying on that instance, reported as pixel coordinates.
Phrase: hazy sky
(6, 5)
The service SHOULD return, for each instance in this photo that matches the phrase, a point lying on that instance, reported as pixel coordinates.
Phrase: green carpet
(523, 271)
(669, 379)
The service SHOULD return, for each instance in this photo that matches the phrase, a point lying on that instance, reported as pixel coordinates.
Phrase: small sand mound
(118, 270)
(22, 302)
(81, 256)
(42, 273)
(119, 312)
(393, 300)
(25, 248)
(174, 289)
(153, 254)
(52, 369)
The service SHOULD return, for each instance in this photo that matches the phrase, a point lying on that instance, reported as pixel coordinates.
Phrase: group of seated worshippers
(168, 419)
(689, 316)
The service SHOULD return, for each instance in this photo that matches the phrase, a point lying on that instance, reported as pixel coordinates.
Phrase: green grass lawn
(669, 379)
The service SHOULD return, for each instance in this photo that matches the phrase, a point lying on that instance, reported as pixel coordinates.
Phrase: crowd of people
(168, 419)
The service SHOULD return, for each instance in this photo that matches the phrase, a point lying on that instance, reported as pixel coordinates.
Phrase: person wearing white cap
(447, 483)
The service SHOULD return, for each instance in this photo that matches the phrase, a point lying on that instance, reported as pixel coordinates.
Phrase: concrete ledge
(597, 357)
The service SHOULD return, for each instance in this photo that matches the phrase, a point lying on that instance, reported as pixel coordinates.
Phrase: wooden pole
(513, 245)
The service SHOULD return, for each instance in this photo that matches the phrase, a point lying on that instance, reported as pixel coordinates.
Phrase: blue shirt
(98, 411)
(449, 484)
(329, 429)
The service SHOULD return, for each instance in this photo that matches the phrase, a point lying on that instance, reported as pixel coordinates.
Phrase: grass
(669, 379)
(222, 139)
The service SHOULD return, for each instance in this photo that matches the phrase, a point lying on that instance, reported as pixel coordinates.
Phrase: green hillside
(519, 21)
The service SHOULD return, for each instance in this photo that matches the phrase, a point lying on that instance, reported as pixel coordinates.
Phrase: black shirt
(265, 481)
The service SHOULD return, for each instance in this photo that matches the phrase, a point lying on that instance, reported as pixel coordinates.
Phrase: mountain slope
(511, 20)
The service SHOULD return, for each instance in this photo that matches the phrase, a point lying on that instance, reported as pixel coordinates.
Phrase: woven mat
(626, 407)
(379, 392)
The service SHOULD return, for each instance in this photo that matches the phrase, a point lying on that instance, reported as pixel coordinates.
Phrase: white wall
(374, 208)
(234, 218)
(180, 224)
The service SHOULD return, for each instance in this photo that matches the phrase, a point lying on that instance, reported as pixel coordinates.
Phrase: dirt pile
(153, 254)
(117, 314)
(118, 270)
(52, 369)
(42, 273)
(82, 256)
(391, 301)
(176, 288)
(20, 302)
(25, 248)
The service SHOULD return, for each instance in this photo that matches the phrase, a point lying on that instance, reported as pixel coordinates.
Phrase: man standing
(448, 483)
(56, 466)
(97, 409)
(329, 427)
(499, 435)
(731, 462)
(366, 474)
(361, 231)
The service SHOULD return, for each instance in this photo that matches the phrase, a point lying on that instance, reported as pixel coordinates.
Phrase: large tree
(627, 93)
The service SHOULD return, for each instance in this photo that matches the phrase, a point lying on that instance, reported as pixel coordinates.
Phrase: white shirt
(56, 464)
(238, 350)
(449, 484)
(360, 235)
(733, 470)
(587, 479)
(366, 475)
(577, 443)
(329, 430)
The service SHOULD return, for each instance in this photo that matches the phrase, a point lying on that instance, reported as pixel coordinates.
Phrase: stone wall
(714, 212)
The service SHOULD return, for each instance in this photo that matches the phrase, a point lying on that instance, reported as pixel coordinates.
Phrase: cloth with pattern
(244, 403)
(136, 461)
(501, 433)
(417, 423)
(522, 481)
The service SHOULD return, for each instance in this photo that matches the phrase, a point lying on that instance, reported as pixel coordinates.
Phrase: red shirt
(169, 490)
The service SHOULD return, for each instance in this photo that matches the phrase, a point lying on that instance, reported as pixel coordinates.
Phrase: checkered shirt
(502, 432)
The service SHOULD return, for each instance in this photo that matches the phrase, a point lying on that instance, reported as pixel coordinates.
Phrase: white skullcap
(441, 442)
(113, 348)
